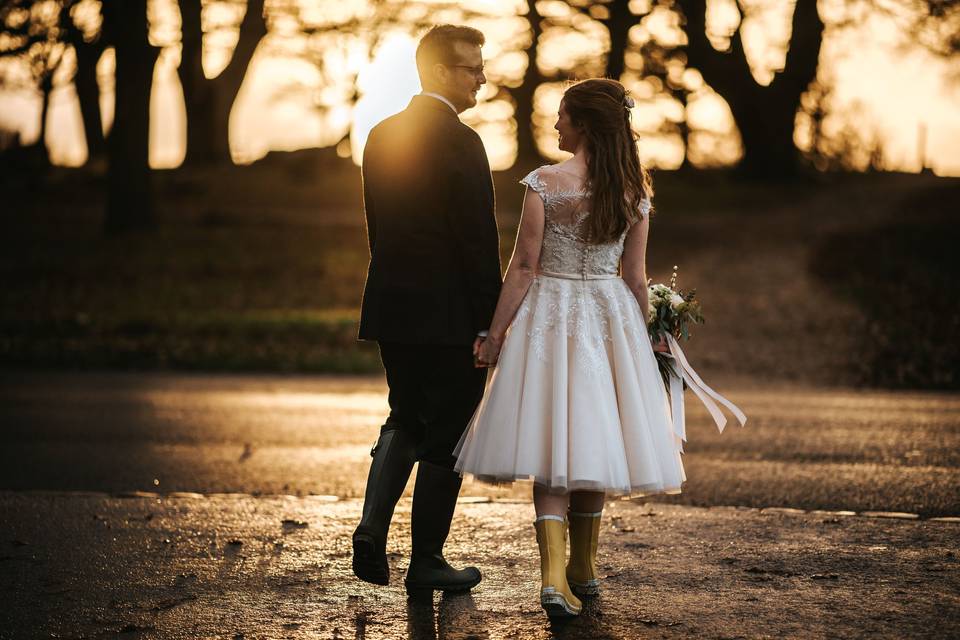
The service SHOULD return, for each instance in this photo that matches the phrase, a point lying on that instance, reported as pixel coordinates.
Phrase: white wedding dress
(576, 401)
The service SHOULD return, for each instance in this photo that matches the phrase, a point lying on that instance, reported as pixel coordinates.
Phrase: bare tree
(578, 15)
(338, 48)
(936, 25)
(527, 149)
(209, 101)
(32, 34)
(356, 36)
(617, 18)
(88, 46)
(40, 33)
(765, 115)
(836, 136)
(666, 64)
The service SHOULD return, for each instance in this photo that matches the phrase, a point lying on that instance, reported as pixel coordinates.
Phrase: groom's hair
(437, 45)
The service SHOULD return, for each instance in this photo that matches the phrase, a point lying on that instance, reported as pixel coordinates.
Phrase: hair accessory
(628, 102)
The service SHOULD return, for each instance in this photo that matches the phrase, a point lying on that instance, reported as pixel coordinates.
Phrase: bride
(576, 402)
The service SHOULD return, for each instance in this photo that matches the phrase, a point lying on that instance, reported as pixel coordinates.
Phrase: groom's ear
(441, 73)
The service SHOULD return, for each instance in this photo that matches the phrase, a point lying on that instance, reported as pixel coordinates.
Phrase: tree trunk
(85, 81)
(88, 94)
(46, 86)
(209, 101)
(618, 25)
(683, 128)
(197, 90)
(766, 124)
(527, 150)
(129, 197)
(765, 116)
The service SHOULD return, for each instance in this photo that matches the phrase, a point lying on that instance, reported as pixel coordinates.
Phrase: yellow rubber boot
(555, 595)
(582, 569)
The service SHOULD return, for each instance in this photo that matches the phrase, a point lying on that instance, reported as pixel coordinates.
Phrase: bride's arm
(520, 274)
(634, 262)
(634, 268)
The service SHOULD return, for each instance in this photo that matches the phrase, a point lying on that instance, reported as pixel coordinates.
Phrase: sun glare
(386, 86)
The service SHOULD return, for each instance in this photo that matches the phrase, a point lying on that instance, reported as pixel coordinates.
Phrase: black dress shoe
(434, 500)
(393, 458)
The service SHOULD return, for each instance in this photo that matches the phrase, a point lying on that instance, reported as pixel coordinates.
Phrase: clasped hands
(486, 351)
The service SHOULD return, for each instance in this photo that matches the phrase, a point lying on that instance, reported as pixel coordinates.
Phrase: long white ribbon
(685, 373)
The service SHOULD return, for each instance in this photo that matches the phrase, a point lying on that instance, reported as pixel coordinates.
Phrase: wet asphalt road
(188, 566)
(299, 435)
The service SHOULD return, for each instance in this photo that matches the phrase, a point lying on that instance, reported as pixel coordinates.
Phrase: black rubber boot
(393, 458)
(434, 500)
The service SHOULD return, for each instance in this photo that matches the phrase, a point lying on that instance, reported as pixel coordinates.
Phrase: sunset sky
(886, 90)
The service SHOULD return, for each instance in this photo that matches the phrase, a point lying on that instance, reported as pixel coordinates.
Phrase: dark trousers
(434, 391)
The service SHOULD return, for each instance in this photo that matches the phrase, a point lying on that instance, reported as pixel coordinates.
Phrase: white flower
(661, 291)
(676, 301)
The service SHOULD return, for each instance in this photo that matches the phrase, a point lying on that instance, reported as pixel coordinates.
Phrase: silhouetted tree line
(40, 34)
(42, 31)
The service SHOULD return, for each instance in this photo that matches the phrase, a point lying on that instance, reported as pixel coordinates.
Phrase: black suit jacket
(434, 274)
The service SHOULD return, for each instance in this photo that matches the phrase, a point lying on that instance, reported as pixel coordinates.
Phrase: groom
(432, 286)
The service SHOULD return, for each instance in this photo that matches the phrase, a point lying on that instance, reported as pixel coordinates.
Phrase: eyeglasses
(476, 71)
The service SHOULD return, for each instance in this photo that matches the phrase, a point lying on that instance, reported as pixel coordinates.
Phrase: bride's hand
(661, 346)
(476, 345)
(487, 354)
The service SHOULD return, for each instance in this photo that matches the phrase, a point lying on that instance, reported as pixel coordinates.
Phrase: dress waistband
(579, 276)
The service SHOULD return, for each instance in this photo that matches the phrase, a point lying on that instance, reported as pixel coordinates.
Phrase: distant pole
(922, 145)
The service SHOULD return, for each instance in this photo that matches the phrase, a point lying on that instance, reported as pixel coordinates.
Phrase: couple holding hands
(574, 401)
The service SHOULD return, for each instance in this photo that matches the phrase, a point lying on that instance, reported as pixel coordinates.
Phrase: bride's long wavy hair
(601, 108)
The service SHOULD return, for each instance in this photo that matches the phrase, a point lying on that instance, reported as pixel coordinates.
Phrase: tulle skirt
(576, 401)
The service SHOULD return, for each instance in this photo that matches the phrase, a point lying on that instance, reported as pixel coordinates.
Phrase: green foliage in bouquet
(671, 311)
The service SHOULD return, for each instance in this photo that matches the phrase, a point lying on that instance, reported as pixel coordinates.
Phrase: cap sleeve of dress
(645, 207)
(535, 181)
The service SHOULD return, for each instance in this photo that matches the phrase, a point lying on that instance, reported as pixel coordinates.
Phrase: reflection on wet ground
(806, 448)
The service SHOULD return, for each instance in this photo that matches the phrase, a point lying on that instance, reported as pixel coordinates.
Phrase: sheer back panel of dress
(566, 206)
(566, 197)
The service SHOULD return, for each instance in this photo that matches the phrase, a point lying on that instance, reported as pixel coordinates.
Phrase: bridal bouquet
(670, 313)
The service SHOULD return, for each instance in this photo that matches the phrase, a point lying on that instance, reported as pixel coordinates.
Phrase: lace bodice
(566, 205)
